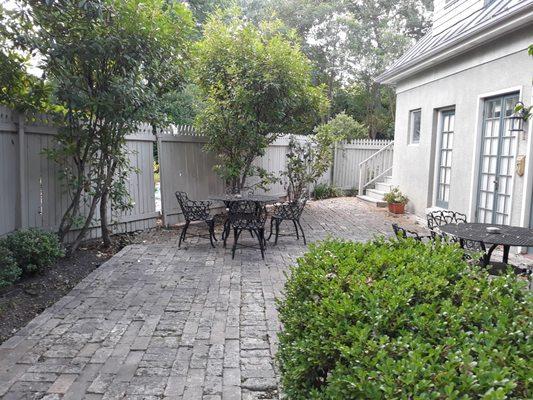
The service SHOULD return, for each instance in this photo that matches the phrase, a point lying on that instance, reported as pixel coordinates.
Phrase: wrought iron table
(507, 236)
(257, 198)
(260, 199)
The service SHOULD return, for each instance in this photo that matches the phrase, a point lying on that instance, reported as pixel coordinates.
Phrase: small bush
(9, 270)
(402, 320)
(324, 191)
(34, 249)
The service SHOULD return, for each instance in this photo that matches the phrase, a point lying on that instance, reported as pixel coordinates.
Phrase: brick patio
(158, 322)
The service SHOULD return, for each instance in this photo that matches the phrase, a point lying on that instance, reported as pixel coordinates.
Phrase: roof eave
(454, 48)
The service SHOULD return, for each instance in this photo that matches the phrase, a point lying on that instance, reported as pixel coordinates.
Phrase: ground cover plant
(33, 249)
(402, 319)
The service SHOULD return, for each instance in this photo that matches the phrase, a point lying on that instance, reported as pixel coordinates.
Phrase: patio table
(258, 198)
(507, 236)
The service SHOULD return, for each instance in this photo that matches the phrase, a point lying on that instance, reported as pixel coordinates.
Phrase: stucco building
(456, 89)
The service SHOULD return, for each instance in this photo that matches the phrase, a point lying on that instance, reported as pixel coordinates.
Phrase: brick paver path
(158, 322)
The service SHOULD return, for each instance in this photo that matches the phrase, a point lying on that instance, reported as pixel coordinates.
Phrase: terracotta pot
(397, 208)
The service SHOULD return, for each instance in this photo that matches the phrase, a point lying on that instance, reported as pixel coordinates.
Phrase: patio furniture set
(474, 238)
(244, 212)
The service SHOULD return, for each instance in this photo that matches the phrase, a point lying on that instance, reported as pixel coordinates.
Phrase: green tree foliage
(350, 43)
(307, 160)
(19, 90)
(256, 85)
(112, 68)
(343, 127)
(402, 319)
(375, 110)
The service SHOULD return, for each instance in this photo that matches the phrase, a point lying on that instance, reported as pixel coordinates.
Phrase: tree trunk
(104, 227)
(83, 231)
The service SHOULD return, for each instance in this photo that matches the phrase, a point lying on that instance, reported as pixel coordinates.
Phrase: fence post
(162, 186)
(22, 192)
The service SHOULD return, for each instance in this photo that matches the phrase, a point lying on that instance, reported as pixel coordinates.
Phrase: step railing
(375, 167)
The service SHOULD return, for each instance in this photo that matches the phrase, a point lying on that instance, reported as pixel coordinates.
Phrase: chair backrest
(192, 211)
(183, 199)
(404, 233)
(244, 213)
(299, 205)
(442, 217)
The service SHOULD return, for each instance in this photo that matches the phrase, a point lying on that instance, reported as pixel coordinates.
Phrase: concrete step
(387, 179)
(373, 201)
(383, 186)
(375, 193)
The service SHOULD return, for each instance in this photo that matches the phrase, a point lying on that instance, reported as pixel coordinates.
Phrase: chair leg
(184, 232)
(278, 222)
(296, 229)
(211, 226)
(236, 234)
(226, 232)
(271, 226)
(261, 236)
(302, 230)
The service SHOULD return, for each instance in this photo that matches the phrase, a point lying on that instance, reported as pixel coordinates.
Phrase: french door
(498, 150)
(447, 127)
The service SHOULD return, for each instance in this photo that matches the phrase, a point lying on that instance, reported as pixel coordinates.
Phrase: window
(414, 126)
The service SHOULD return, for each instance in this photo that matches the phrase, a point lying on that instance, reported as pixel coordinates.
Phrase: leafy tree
(308, 160)
(350, 43)
(377, 114)
(111, 67)
(257, 85)
(19, 90)
(343, 127)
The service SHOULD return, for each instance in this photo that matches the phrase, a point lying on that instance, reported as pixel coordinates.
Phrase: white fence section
(31, 194)
(349, 156)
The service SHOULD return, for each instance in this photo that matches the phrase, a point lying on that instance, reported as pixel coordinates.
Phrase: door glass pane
(497, 160)
(445, 158)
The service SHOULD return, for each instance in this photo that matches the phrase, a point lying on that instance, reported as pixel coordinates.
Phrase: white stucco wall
(501, 67)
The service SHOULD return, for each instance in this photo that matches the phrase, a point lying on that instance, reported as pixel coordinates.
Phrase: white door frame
(438, 143)
(477, 147)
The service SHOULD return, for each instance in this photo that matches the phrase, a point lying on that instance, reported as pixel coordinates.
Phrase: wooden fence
(31, 194)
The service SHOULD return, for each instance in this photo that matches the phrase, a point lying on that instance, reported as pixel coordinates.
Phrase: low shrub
(33, 249)
(9, 270)
(402, 320)
(324, 191)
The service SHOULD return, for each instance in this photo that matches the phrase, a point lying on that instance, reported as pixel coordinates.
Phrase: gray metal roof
(431, 43)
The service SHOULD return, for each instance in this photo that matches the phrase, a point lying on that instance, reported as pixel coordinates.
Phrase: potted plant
(396, 201)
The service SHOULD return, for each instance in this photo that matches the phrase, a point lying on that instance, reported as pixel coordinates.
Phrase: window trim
(411, 131)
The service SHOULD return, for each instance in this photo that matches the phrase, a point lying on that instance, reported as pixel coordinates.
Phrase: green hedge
(33, 249)
(402, 320)
(9, 270)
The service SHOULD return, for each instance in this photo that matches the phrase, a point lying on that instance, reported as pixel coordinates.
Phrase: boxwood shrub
(33, 249)
(402, 320)
(9, 270)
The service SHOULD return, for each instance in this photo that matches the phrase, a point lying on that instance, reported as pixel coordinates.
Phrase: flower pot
(397, 208)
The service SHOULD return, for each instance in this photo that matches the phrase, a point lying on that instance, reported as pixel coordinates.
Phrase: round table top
(508, 235)
(259, 198)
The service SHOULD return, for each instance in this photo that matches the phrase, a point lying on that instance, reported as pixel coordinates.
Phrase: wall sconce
(520, 115)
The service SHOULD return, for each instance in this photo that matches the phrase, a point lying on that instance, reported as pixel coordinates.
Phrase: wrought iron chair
(248, 216)
(196, 211)
(405, 233)
(248, 190)
(289, 211)
(437, 218)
